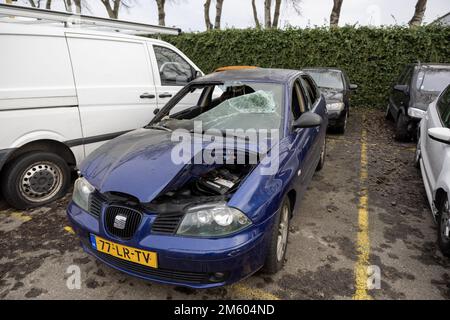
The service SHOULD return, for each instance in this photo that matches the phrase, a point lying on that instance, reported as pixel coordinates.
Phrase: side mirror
(197, 74)
(440, 134)
(402, 88)
(353, 86)
(308, 120)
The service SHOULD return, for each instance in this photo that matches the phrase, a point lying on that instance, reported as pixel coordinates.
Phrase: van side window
(443, 106)
(173, 69)
(298, 101)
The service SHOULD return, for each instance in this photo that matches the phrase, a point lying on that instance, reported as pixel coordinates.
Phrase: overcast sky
(188, 14)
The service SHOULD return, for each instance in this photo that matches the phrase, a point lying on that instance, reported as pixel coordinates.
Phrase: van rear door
(115, 87)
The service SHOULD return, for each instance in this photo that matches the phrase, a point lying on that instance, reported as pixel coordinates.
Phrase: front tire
(401, 128)
(278, 239)
(35, 179)
(343, 126)
(443, 219)
(323, 154)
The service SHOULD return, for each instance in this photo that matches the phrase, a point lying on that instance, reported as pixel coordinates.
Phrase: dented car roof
(259, 74)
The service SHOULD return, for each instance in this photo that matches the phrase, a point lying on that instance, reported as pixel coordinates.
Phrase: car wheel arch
(292, 196)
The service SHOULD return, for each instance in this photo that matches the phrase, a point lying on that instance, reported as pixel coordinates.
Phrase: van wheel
(35, 179)
(278, 239)
(401, 129)
(443, 219)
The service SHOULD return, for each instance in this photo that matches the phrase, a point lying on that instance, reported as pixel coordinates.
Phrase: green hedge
(372, 57)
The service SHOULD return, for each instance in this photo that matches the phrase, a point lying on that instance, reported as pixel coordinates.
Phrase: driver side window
(173, 69)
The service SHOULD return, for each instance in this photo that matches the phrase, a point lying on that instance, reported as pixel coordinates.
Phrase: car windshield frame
(313, 72)
(165, 111)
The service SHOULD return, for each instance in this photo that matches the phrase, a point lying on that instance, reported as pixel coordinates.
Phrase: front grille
(161, 274)
(132, 220)
(167, 223)
(95, 204)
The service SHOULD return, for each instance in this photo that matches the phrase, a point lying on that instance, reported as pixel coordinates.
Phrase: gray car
(433, 157)
(336, 88)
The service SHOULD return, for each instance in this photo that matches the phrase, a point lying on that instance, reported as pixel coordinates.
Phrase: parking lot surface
(366, 208)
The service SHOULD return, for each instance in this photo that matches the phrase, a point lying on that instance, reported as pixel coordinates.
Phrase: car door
(114, 83)
(438, 116)
(173, 72)
(401, 99)
(301, 139)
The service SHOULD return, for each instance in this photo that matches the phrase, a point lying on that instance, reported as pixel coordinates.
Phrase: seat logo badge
(120, 221)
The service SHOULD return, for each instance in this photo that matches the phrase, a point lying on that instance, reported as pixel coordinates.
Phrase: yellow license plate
(146, 258)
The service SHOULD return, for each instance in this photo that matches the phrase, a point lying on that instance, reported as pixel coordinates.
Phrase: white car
(433, 156)
(66, 91)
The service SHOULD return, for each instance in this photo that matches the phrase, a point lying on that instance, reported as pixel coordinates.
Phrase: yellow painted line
(20, 217)
(245, 292)
(363, 241)
(69, 230)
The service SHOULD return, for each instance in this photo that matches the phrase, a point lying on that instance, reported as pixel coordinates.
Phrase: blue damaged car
(203, 195)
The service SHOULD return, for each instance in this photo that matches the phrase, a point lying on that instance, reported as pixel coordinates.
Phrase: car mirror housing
(402, 88)
(353, 86)
(308, 120)
(440, 134)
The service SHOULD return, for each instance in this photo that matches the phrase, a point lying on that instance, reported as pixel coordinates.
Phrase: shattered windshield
(327, 79)
(234, 105)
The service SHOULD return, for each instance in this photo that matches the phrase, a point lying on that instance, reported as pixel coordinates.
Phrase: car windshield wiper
(158, 127)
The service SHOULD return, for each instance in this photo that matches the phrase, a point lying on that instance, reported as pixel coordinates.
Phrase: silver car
(433, 157)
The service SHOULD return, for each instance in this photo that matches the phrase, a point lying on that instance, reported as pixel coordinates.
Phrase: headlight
(82, 190)
(337, 106)
(416, 113)
(215, 219)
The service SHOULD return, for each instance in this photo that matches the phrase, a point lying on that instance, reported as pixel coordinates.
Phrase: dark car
(202, 224)
(336, 87)
(417, 86)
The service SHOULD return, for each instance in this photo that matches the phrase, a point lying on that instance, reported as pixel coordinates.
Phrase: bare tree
(208, 23)
(267, 13)
(207, 6)
(219, 6)
(111, 6)
(255, 15)
(274, 22)
(335, 13)
(419, 12)
(161, 12)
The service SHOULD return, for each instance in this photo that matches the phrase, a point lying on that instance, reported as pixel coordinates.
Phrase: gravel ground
(36, 249)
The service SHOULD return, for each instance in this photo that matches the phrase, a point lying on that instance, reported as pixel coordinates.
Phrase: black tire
(343, 125)
(274, 262)
(442, 217)
(388, 114)
(401, 128)
(323, 154)
(417, 155)
(47, 176)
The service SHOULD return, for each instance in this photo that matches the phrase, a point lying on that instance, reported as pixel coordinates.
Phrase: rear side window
(311, 89)
(443, 106)
(173, 69)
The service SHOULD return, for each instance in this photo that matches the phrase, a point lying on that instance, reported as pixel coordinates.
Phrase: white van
(65, 91)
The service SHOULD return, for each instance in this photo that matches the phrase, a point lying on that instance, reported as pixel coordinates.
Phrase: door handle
(165, 95)
(147, 96)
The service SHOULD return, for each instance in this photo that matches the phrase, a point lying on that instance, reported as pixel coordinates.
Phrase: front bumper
(182, 261)
(336, 118)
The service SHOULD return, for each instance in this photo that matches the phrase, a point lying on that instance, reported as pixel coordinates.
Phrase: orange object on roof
(228, 68)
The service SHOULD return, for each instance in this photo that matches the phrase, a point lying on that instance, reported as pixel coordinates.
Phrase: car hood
(138, 163)
(334, 95)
